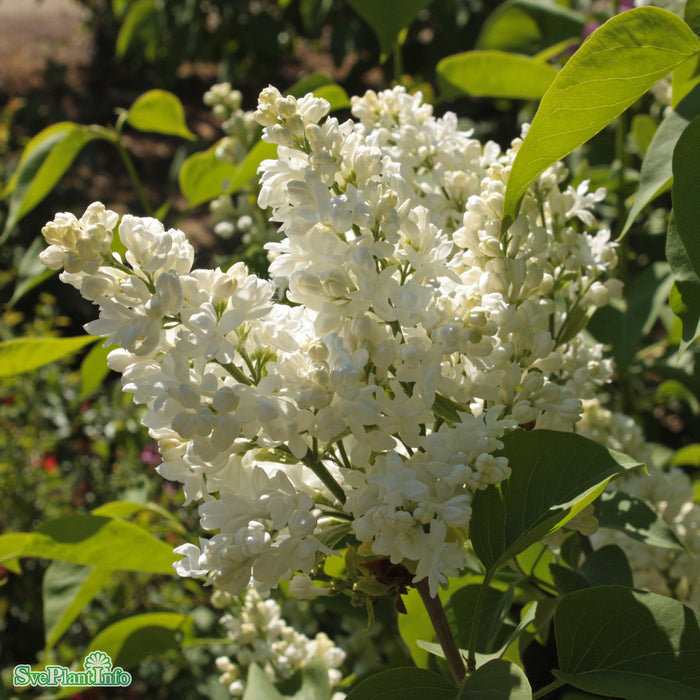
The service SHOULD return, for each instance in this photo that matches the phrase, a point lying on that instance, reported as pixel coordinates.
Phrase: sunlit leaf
(613, 68)
(92, 540)
(160, 112)
(248, 169)
(49, 156)
(25, 354)
(203, 177)
(494, 74)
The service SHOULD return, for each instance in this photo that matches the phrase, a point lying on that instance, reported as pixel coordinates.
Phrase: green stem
(480, 601)
(129, 165)
(325, 476)
(542, 692)
(442, 630)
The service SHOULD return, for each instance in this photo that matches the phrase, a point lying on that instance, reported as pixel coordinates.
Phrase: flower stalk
(436, 612)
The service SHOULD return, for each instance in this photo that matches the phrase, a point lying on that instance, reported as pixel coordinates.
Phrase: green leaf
(657, 175)
(94, 369)
(620, 511)
(493, 630)
(692, 15)
(248, 169)
(45, 164)
(644, 127)
(622, 325)
(322, 86)
(31, 272)
(36, 149)
(688, 455)
(67, 589)
(684, 300)
(92, 540)
(554, 475)
(615, 641)
(258, 686)
(334, 95)
(686, 192)
(613, 68)
(496, 680)
(161, 112)
(127, 509)
(388, 18)
(494, 74)
(607, 566)
(204, 177)
(25, 354)
(309, 83)
(139, 26)
(415, 626)
(315, 684)
(684, 297)
(529, 26)
(402, 683)
(133, 639)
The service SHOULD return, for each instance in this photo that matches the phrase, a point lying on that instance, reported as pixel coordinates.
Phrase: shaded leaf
(25, 354)
(494, 74)
(315, 684)
(614, 641)
(620, 511)
(258, 686)
(686, 194)
(657, 173)
(160, 112)
(613, 68)
(388, 18)
(31, 272)
(400, 683)
(607, 566)
(692, 15)
(622, 325)
(496, 680)
(67, 589)
(554, 475)
(529, 26)
(138, 27)
(493, 629)
(135, 638)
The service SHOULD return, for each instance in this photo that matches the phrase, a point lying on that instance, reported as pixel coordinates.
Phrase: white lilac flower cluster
(415, 335)
(239, 125)
(669, 492)
(261, 636)
(237, 215)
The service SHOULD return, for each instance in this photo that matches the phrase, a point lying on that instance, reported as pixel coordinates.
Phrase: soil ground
(36, 33)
